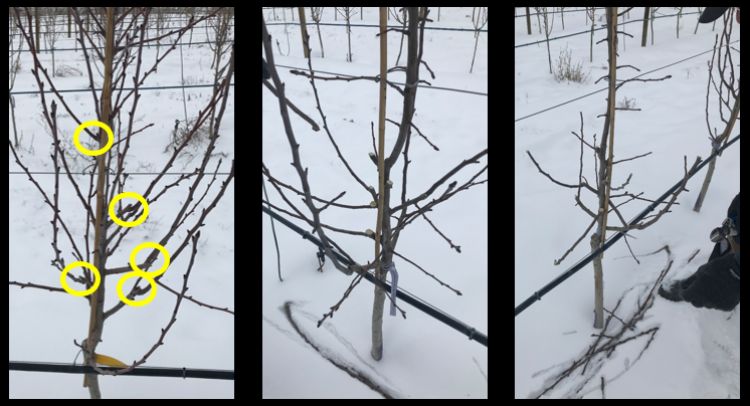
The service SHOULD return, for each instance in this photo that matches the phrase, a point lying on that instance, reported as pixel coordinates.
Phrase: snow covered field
(422, 357)
(695, 353)
(43, 325)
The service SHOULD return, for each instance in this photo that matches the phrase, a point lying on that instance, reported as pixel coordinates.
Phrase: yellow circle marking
(86, 151)
(152, 274)
(92, 268)
(128, 224)
(140, 303)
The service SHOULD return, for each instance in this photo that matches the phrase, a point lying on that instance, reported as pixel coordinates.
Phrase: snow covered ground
(43, 325)
(423, 358)
(695, 353)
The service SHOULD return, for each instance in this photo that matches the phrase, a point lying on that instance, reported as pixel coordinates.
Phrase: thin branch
(418, 132)
(34, 285)
(630, 159)
(558, 261)
(428, 192)
(642, 80)
(294, 108)
(456, 291)
(453, 246)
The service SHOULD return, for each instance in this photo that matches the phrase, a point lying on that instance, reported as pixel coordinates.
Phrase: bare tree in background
(644, 34)
(651, 22)
(399, 14)
(347, 13)
(528, 21)
(124, 64)
(405, 212)
(603, 170)
(724, 82)
(14, 66)
(548, 24)
(479, 23)
(316, 13)
(591, 13)
(562, 17)
(51, 35)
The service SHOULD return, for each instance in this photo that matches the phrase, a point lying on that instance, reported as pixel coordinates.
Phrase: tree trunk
(96, 319)
(389, 241)
(606, 166)
(303, 30)
(678, 23)
(528, 21)
(644, 35)
(712, 164)
(379, 299)
(70, 30)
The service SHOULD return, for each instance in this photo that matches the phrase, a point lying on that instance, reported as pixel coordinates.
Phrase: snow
(423, 358)
(696, 351)
(43, 325)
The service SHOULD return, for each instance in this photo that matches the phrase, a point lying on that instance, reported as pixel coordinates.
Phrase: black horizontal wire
(558, 11)
(142, 371)
(605, 88)
(448, 89)
(377, 26)
(113, 174)
(33, 92)
(602, 27)
(165, 45)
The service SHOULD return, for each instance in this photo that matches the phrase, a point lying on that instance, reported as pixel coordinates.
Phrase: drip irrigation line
(605, 88)
(448, 89)
(35, 92)
(401, 293)
(142, 371)
(536, 296)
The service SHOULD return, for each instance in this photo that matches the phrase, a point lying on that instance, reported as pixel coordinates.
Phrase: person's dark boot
(672, 292)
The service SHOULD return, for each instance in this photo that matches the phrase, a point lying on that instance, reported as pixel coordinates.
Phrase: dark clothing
(715, 285)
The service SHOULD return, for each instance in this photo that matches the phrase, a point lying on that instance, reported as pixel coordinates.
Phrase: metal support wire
(144, 371)
(536, 296)
(402, 294)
